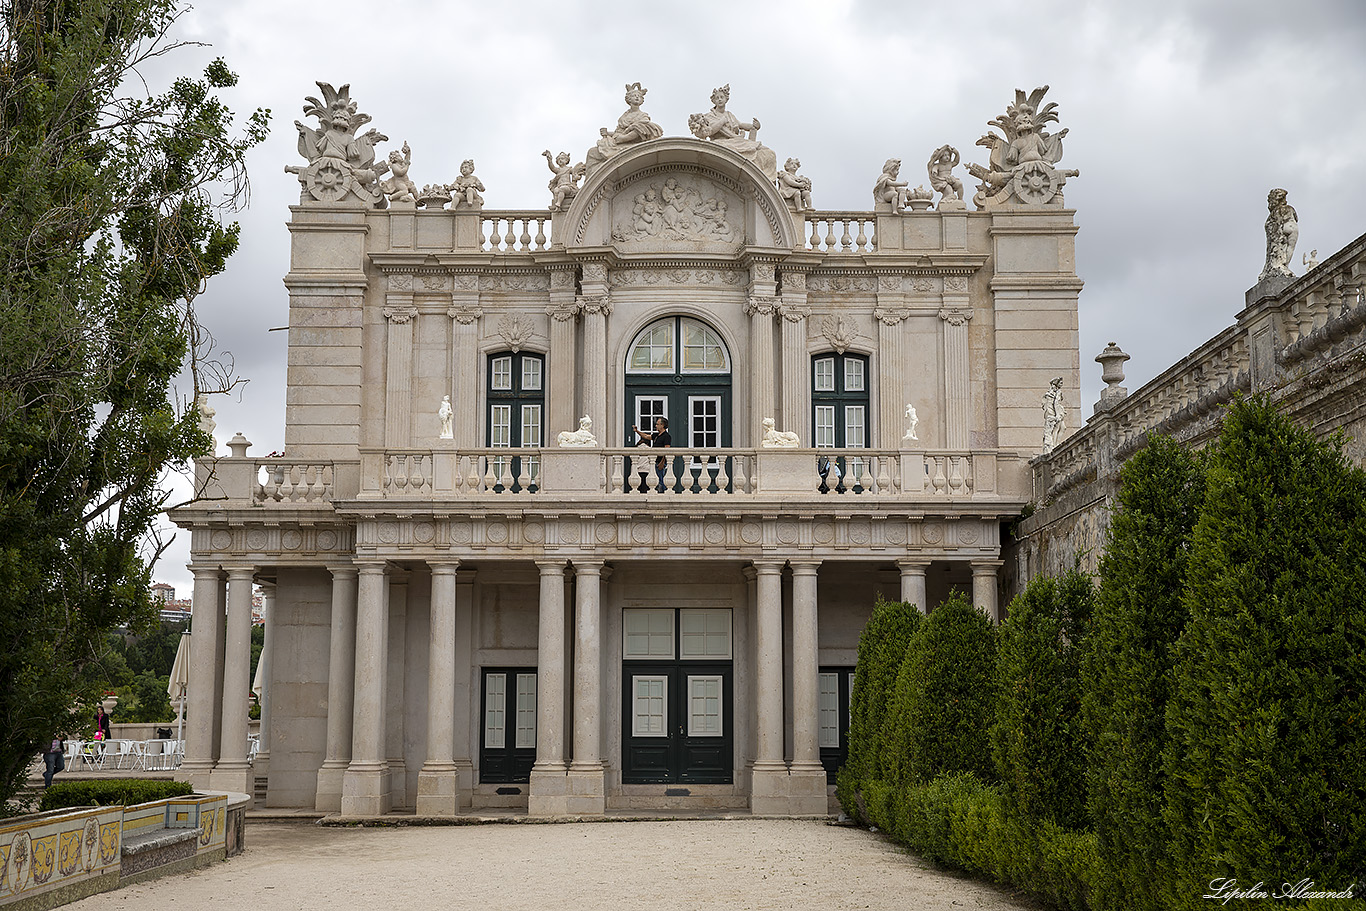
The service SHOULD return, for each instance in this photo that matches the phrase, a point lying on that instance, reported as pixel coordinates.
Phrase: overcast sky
(1181, 117)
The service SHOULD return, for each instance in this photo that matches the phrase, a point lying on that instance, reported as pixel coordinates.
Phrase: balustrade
(511, 232)
(291, 481)
(843, 232)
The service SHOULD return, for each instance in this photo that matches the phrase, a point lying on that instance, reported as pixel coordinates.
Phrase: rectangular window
(495, 711)
(705, 421)
(648, 698)
(531, 425)
(704, 706)
(855, 430)
(825, 426)
(853, 375)
(705, 633)
(648, 633)
(526, 711)
(500, 429)
(502, 374)
(829, 711)
(531, 373)
(825, 374)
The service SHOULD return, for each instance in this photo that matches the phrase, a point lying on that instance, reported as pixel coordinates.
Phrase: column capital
(766, 568)
(241, 572)
(986, 566)
(804, 567)
(551, 567)
(912, 564)
(588, 567)
(955, 316)
(342, 569)
(399, 314)
(761, 305)
(200, 571)
(465, 313)
(444, 568)
(593, 304)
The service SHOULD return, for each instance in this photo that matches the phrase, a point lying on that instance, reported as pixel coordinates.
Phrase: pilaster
(595, 305)
(957, 386)
(466, 314)
(400, 320)
(891, 313)
(561, 363)
(796, 369)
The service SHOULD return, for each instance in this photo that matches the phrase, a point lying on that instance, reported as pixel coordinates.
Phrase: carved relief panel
(677, 211)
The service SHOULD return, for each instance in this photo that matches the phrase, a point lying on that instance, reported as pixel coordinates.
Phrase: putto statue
(777, 439)
(399, 188)
(1054, 415)
(888, 191)
(1022, 164)
(724, 128)
(632, 127)
(564, 186)
(1282, 233)
(940, 167)
(340, 163)
(581, 438)
(466, 189)
(912, 419)
(793, 187)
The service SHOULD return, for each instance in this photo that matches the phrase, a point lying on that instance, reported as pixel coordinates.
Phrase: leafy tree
(1265, 760)
(1037, 741)
(881, 648)
(1127, 671)
(110, 207)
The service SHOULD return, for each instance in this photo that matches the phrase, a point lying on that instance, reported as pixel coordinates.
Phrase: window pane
(531, 425)
(702, 348)
(829, 711)
(500, 428)
(705, 633)
(495, 708)
(655, 350)
(501, 377)
(825, 426)
(526, 711)
(531, 373)
(706, 422)
(855, 432)
(704, 706)
(853, 375)
(648, 717)
(649, 633)
(825, 374)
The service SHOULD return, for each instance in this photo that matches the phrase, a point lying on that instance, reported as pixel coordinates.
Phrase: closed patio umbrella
(179, 683)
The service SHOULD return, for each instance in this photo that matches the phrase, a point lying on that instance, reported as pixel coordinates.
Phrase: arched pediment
(679, 196)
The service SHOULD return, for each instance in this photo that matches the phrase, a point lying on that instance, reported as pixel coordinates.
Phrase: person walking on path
(54, 760)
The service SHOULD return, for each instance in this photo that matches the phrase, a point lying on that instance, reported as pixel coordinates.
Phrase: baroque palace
(485, 592)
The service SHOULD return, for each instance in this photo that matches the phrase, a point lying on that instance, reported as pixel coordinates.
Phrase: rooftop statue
(1022, 163)
(399, 188)
(1282, 233)
(888, 191)
(940, 167)
(466, 189)
(724, 128)
(564, 186)
(632, 127)
(793, 187)
(340, 163)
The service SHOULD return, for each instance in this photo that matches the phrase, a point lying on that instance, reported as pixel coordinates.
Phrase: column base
(438, 791)
(549, 793)
(587, 792)
(769, 793)
(329, 791)
(808, 794)
(233, 776)
(398, 784)
(365, 792)
(197, 773)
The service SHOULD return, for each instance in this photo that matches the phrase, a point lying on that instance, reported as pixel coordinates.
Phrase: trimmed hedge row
(108, 793)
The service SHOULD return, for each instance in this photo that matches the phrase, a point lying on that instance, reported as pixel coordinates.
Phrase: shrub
(945, 699)
(881, 649)
(110, 792)
(1266, 755)
(1127, 670)
(1037, 741)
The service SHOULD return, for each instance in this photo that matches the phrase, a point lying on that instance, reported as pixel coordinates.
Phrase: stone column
(232, 773)
(913, 583)
(762, 376)
(769, 785)
(587, 784)
(465, 313)
(365, 789)
(984, 596)
(400, 313)
(206, 625)
(806, 781)
(957, 383)
(796, 365)
(261, 766)
(561, 369)
(595, 305)
(437, 788)
(466, 701)
(395, 691)
(549, 785)
(341, 672)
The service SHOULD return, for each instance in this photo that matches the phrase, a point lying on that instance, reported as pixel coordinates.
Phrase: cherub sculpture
(1310, 260)
(793, 187)
(564, 186)
(340, 163)
(398, 187)
(940, 167)
(466, 189)
(888, 189)
(581, 438)
(777, 439)
(1282, 233)
(206, 413)
(1022, 164)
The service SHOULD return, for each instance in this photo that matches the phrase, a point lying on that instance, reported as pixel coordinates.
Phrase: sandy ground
(686, 864)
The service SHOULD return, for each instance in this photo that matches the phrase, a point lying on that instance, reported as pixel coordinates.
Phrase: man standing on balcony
(661, 439)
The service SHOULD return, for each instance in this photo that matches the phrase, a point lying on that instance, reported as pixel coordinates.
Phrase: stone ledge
(158, 838)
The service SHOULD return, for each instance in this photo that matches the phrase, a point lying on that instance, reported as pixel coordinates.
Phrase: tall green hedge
(945, 699)
(1266, 755)
(1038, 743)
(1128, 666)
(880, 651)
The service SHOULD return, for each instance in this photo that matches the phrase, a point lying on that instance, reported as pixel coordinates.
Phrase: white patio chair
(92, 754)
(124, 753)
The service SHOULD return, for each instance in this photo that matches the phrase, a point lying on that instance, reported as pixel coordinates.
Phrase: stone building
(484, 593)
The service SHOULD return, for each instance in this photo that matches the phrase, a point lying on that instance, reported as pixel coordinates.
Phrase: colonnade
(354, 776)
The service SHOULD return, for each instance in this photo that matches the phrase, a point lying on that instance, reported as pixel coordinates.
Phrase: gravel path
(687, 865)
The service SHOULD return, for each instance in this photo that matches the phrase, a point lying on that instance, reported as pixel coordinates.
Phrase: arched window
(678, 368)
